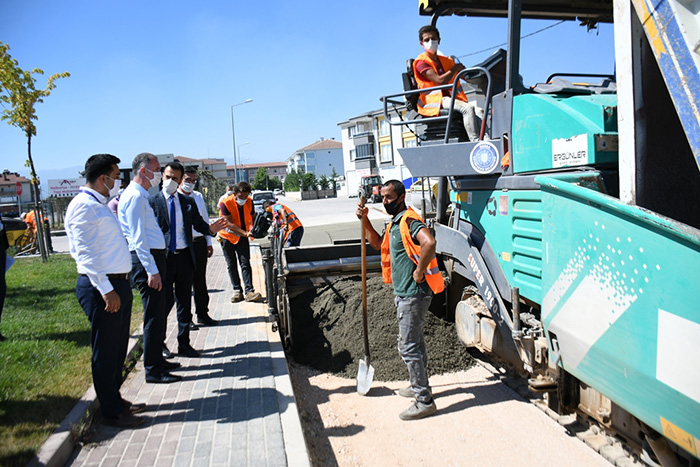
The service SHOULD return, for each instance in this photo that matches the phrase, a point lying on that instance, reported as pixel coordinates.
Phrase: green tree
(334, 174)
(324, 182)
(292, 182)
(261, 181)
(308, 181)
(212, 188)
(17, 89)
(275, 183)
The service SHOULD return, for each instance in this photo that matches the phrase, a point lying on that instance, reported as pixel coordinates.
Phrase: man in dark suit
(177, 214)
(4, 245)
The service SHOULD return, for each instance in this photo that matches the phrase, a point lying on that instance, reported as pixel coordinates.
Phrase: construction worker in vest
(433, 69)
(288, 221)
(238, 212)
(408, 262)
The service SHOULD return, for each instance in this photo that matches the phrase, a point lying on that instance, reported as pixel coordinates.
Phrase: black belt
(122, 276)
(181, 250)
(198, 239)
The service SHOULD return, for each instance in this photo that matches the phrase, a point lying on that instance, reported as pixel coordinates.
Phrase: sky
(161, 76)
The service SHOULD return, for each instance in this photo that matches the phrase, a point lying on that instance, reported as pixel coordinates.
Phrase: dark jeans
(153, 312)
(109, 339)
(242, 251)
(294, 238)
(179, 275)
(201, 292)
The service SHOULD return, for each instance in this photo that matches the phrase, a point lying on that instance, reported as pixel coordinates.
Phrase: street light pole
(240, 159)
(233, 132)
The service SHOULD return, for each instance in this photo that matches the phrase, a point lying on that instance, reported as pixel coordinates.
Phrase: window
(353, 154)
(358, 129)
(385, 152)
(384, 127)
(409, 143)
(364, 151)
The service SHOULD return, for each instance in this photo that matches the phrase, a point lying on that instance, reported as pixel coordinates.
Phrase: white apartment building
(370, 146)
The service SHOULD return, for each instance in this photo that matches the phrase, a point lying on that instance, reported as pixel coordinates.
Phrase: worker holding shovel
(409, 263)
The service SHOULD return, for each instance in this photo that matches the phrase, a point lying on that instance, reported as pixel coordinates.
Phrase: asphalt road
(326, 220)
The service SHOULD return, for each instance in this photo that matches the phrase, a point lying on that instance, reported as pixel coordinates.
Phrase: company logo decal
(484, 157)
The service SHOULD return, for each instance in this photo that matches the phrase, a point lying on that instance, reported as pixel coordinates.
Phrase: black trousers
(109, 339)
(242, 251)
(179, 277)
(201, 292)
(153, 312)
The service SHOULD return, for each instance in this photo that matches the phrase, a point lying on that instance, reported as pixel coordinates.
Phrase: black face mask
(394, 207)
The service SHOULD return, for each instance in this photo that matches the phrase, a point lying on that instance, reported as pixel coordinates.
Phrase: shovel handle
(363, 250)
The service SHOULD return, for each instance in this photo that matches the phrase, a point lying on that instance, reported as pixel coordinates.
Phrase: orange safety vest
(29, 219)
(232, 207)
(430, 102)
(432, 274)
(293, 221)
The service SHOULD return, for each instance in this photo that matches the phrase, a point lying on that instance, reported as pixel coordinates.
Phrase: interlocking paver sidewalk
(234, 405)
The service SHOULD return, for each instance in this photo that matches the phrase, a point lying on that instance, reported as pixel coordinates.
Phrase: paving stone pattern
(225, 411)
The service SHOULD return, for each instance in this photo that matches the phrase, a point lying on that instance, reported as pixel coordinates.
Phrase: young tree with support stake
(17, 90)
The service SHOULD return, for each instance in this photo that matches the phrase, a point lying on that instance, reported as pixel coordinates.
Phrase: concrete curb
(58, 448)
(294, 442)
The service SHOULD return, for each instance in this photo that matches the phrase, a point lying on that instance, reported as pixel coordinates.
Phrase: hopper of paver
(292, 271)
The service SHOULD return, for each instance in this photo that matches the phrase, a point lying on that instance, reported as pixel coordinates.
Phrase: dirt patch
(327, 332)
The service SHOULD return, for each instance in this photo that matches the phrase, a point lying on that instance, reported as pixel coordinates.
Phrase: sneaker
(252, 296)
(237, 296)
(406, 392)
(418, 410)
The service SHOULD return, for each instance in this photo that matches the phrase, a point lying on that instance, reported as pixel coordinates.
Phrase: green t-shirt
(402, 266)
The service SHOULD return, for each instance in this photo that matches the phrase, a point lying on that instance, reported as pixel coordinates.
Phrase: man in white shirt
(103, 288)
(148, 265)
(177, 215)
(202, 251)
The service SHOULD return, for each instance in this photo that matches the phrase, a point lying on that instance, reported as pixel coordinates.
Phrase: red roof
(322, 144)
(11, 178)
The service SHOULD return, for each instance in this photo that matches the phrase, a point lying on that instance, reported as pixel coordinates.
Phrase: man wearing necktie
(177, 215)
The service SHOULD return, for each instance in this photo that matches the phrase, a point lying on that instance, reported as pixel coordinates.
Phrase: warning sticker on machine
(571, 151)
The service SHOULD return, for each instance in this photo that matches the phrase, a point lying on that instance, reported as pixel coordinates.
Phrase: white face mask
(188, 187)
(169, 186)
(241, 202)
(114, 191)
(156, 177)
(431, 46)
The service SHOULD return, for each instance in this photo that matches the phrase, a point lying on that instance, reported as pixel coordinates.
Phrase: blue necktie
(173, 239)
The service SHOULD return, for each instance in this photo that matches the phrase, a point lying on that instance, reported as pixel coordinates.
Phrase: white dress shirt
(140, 226)
(178, 222)
(202, 208)
(95, 238)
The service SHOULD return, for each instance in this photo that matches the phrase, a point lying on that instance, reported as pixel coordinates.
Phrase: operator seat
(432, 130)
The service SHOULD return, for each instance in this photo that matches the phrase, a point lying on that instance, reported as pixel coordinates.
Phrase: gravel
(327, 332)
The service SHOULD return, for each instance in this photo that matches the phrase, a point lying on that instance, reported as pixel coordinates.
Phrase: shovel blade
(365, 375)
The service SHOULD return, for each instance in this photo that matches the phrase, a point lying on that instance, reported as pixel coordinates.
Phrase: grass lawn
(45, 361)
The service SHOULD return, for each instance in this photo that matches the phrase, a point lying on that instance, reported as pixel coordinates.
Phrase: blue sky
(160, 76)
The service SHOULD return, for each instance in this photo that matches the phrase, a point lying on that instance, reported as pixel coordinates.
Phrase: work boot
(418, 410)
(406, 392)
(237, 296)
(252, 296)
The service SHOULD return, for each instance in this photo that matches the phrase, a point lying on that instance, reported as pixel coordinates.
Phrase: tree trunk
(38, 212)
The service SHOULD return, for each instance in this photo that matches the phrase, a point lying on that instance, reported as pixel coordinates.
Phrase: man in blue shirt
(147, 247)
